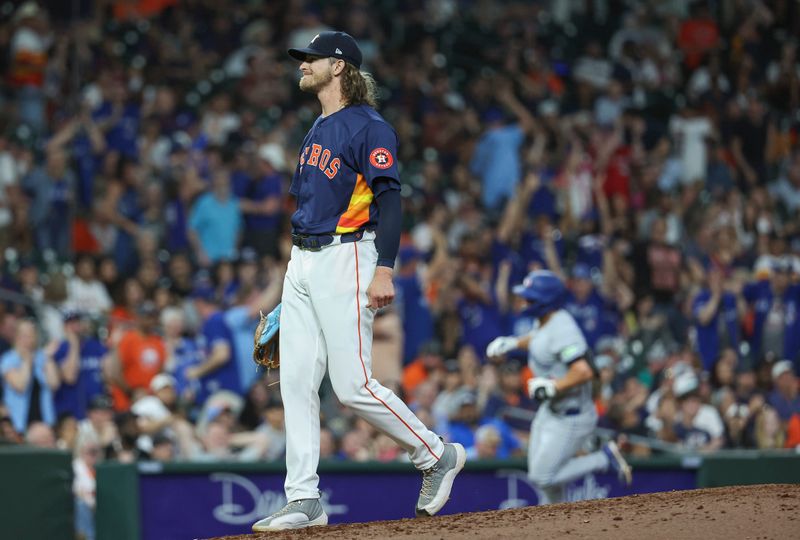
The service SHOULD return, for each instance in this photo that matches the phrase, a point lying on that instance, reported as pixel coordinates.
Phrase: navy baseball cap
(331, 44)
(72, 315)
(581, 271)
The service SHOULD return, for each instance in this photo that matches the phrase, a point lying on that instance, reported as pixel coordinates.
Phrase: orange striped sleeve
(357, 213)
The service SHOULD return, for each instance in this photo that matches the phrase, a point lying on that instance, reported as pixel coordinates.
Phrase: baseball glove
(265, 347)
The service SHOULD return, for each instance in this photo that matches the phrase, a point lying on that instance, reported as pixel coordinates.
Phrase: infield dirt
(739, 512)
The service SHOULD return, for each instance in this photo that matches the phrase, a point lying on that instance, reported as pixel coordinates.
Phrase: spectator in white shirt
(85, 292)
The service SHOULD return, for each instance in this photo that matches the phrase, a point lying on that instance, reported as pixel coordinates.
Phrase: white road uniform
(562, 425)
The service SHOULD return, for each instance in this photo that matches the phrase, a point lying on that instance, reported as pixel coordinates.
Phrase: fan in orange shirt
(793, 432)
(137, 358)
(429, 360)
(123, 315)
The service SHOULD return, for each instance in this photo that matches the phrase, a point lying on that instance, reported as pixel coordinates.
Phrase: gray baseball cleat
(438, 480)
(295, 515)
(618, 463)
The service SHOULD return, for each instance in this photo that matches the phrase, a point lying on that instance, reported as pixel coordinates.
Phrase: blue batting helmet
(544, 292)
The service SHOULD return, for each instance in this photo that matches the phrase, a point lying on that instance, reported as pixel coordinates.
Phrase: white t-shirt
(691, 134)
(151, 408)
(708, 419)
(87, 296)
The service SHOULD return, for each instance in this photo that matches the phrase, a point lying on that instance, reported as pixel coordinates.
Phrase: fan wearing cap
(716, 310)
(346, 234)
(218, 370)
(784, 397)
(99, 421)
(413, 306)
(561, 361)
(699, 425)
(776, 303)
(154, 413)
(79, 359)
(596, 316)
(137, 357)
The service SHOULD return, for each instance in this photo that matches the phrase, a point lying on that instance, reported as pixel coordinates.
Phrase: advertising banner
(180, 506)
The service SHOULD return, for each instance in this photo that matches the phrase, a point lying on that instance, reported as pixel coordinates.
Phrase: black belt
(315, 242)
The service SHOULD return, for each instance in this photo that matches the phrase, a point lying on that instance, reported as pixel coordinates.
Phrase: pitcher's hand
(380, 292)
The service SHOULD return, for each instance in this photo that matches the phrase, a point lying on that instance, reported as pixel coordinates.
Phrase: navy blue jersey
(215, 330)
(416, 314)
(74, 398)
(721, 331)
(340, 159)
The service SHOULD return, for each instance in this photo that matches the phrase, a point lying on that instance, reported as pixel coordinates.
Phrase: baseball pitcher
(346, 233)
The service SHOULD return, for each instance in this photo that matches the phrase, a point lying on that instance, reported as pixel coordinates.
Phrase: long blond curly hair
(358, 87)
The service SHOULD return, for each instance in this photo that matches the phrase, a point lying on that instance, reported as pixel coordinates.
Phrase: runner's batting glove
(265, 348)
(541, 389)
(501, 346)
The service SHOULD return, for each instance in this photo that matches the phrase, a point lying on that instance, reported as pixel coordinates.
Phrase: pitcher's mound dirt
(740, 512)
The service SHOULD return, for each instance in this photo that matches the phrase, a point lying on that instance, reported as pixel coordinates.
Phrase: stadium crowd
(647, 152)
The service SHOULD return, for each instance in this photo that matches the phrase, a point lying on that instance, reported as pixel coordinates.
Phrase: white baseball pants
(325, 321)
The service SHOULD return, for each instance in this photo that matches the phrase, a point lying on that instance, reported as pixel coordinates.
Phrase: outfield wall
(147, 501)
(153, 501)
(36, 494)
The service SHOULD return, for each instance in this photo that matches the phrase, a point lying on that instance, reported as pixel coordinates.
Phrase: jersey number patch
(381, 158)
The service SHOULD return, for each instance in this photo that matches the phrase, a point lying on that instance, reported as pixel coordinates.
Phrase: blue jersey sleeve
(374, 153)
(215, 331)
(93, 347)
(699, 303)
(62, 352)
(752, 291)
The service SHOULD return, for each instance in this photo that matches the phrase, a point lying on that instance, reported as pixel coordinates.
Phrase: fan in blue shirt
(412, 305)
(716, 317)
(219, 370)
(595, 315)
(79, 358)
(776, 330)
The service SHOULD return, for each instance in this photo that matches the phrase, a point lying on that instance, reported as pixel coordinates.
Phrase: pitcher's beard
(314, 83)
